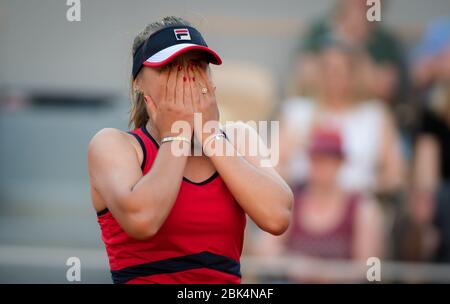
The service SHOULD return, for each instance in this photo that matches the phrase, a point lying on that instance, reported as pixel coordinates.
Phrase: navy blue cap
(164, 45)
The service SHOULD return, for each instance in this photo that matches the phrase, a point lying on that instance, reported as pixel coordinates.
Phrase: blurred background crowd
(364, 111)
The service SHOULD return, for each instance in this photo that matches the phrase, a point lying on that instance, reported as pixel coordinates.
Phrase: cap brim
(166, 55)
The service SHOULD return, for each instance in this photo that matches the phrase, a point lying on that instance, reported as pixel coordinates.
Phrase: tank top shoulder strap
(149, 147)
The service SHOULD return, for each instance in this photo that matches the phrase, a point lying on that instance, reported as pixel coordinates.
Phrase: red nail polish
(193, 78)
(184, 78)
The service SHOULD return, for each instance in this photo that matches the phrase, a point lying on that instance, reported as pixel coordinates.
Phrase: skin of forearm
(426, 164)
(261, 196)
(161, 184)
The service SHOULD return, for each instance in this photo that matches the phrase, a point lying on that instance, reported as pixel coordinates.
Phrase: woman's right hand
(172, 113)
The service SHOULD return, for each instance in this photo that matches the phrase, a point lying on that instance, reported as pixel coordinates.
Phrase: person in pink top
(329, 222)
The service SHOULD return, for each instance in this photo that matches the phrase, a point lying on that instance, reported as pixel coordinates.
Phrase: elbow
(141, 227)
(138, 222)
(278, 222)
(140, 234)
(277, 226)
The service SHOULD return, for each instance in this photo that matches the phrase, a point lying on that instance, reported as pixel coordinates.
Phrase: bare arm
(422, 203)
(426, 164)
(260, 191)
(142, 204)
(392, 164)
(139, 203)
(368, 235)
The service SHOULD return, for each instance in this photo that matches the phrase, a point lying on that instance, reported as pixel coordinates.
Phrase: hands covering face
(183, 91)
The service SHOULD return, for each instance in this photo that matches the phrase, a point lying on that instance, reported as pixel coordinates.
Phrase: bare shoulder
(109, 139)
(106, 136)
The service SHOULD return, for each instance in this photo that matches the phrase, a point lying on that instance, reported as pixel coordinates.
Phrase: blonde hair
(138, 111)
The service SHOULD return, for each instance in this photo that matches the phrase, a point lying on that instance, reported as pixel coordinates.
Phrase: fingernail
(184, 78)
(193, 78)
(180, 68)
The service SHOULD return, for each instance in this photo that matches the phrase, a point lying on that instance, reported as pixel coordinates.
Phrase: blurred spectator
(329, 222)
(373, 156)
(348, 22)
(246, 91)
(426, 227)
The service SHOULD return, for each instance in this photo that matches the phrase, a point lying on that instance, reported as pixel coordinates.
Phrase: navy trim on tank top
(102, 212)
(145, 131)
(204, 259)
(144, 151)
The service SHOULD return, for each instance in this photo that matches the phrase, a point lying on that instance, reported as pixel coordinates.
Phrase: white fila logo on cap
(182, 34)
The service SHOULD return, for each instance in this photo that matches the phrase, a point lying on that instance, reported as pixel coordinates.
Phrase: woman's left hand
(204, 102)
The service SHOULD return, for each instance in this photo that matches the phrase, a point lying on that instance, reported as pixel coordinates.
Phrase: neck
(153, 132)
(336, 103)
(324, 190)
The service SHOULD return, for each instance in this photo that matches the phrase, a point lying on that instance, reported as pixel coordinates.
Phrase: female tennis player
(170, 217)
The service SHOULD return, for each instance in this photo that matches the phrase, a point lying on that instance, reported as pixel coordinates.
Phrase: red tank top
(200, 241)
(336, 243)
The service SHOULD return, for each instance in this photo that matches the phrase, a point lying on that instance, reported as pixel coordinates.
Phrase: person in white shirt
(374, 161)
